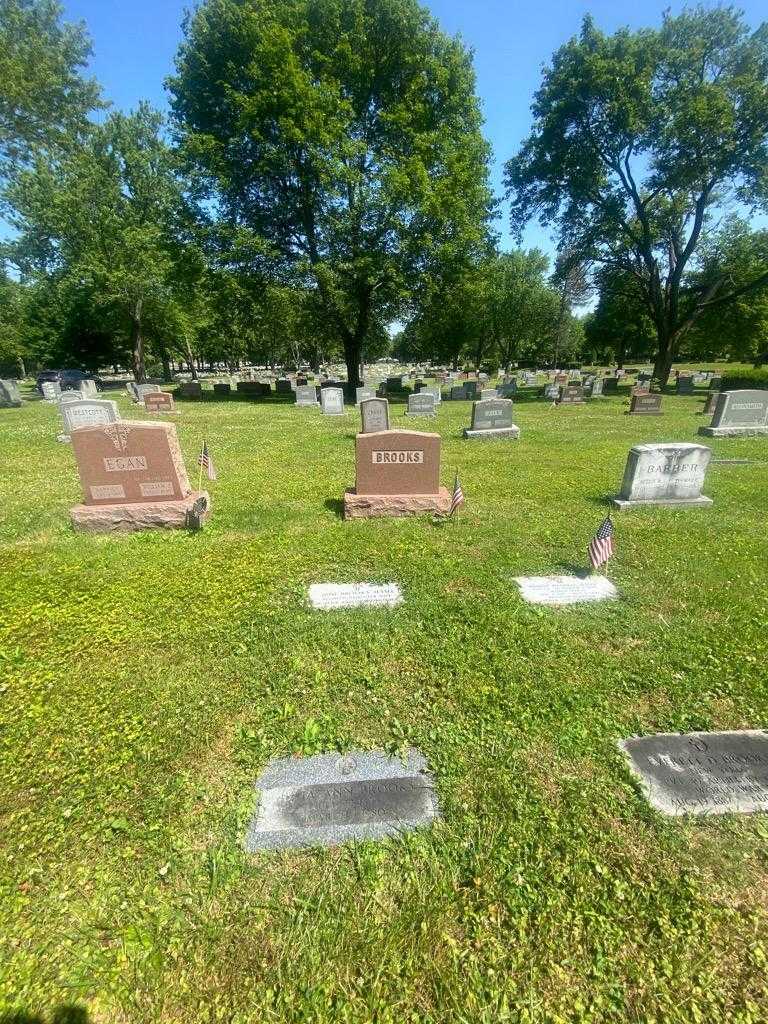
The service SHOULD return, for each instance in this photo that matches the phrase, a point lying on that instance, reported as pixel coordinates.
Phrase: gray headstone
(283, 386)
(306, 394)
(739, 413)
(552, 391)
(470, 388)
(146, 389)
(508, 389)
(665, 474)
(458, 393)
(88, 388)
(571, 394)
(492, 414)
(702, 773)
(715, 382)
(51, 390)
(222, 388)
(434, 390)
(645, 405)
(488, 393)
(330, 799)
(685, 385)
(332, 401)
(10, 398)
(374, 414)
(362, 393)
(422, 404)
(597, 388)
(88, 412)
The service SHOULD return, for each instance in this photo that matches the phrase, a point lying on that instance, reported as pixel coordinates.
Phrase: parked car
(68, 379)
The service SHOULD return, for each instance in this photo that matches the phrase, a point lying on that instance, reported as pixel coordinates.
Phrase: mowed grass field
(147, 680)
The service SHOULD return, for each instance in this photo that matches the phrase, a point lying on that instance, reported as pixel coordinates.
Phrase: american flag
(458, 495)
(601, 546)
(204, 459)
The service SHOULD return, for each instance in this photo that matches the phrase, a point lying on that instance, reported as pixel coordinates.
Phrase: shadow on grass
(68, 1014)
(574, 570)
(335, 505)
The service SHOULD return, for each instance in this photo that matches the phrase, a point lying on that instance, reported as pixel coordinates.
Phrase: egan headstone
(306, 394)
(701, 773)
(332, 401)
(330, 798)
(492, 418)
(160, 402)
(374, 415)
(10, 398)
(645, 404)
(739, 414)
(422, 404)
(665, 474)
(397, 473)
(133, 478)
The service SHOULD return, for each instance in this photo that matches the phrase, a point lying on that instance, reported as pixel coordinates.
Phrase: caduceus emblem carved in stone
(118, 435)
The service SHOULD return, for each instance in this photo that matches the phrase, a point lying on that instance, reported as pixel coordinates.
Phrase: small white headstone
(327, 596)
(557, 590)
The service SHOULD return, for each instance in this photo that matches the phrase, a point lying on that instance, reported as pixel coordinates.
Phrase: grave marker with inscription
(397, 474)
(492, 418)
(571, 394)
(665, 474)
(643, 403)
(86, 412)
(362, 393)
(739, 414)
(306, 394)
(133, 478)
(330, 798)
(374, 415)
(422, 404)
(161, 402)
(701, 773)
(330, 596)
(562, 590)
(10, 397)
(332, 401)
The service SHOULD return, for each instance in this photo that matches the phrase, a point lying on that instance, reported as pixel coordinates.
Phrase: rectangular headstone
(193, 389)
(332, 401)
(458, 393)
(422, 404)
(561, 590)
(645, 404)
(571, 394)
(283, 386)
(362, 393)
(222, 388)
(685, 385)
(88, 388)
(610, 386)
(88, 412)
(306, 394)
(596, 390)
(739, 413)
(665, 474)
(492, 416)
(329, 596)
(51, 390)
(374, 414)
(142, 390)
(488, 393)
(701, 773)
(10, 397)
(330, 798)
(397, 462)
(159, 402)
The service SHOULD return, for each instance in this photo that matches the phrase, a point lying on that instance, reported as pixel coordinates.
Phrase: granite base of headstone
(739, 414)
(133, 478)
(665, 474)
(397, 473)
(331, 798)
(701, 773)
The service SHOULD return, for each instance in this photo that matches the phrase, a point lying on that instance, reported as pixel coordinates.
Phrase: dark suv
(68, 379)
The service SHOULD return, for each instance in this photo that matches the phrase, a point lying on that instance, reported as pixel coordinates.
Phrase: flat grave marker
(701, 773)
(563, 590)
(329, 596)
(329, 799)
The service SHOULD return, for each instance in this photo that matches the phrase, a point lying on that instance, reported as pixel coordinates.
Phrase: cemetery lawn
(147, 679)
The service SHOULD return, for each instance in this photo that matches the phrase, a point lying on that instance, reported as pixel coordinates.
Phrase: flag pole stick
(200, 471)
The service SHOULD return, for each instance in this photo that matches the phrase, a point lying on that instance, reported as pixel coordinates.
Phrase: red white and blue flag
(458, 495)
(206, 462)
(601, 546)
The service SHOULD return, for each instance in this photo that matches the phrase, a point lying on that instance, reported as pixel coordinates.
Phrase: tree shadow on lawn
(572, 569)
(335, 505)
(68, 1014)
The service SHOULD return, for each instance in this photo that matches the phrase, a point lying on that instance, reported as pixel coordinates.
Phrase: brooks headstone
(330, 798)
(739, 414)
(492, 418)
(133, 478)
(397, 473)
(701, 773)
(665, 474)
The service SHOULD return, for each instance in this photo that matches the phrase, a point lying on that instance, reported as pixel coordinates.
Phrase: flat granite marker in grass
(133, 478)
(492, 418)
(397, 473)
(329, 596)
(739, 414)
(701, 773)
(560, 590)
(330, 799)
(665, 474)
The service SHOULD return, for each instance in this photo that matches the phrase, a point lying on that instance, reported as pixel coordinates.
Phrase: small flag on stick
(458, 495)
(601, 546)
(205, 462)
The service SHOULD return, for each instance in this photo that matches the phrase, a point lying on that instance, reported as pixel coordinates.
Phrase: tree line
(323, 175)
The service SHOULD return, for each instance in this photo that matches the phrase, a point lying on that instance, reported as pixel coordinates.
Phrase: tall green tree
(110, 218)
(637, 137)
(347, 133)
(44, 97)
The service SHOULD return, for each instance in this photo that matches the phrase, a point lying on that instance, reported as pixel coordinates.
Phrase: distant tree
(619, 328)
(13, 348)
(571, 281)
(44, 98)
(636, 138)
(346, 133)
(521, 309)
(108, 218)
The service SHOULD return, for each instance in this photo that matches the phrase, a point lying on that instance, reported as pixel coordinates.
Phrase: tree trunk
(165, 360)
(191, 361)
(665, 355)
(137, 344)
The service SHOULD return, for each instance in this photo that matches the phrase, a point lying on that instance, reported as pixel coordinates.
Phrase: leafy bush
(746, 378)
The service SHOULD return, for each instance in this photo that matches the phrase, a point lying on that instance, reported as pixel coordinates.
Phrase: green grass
(147, 679)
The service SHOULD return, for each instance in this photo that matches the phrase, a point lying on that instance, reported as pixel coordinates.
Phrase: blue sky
(135, 41)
